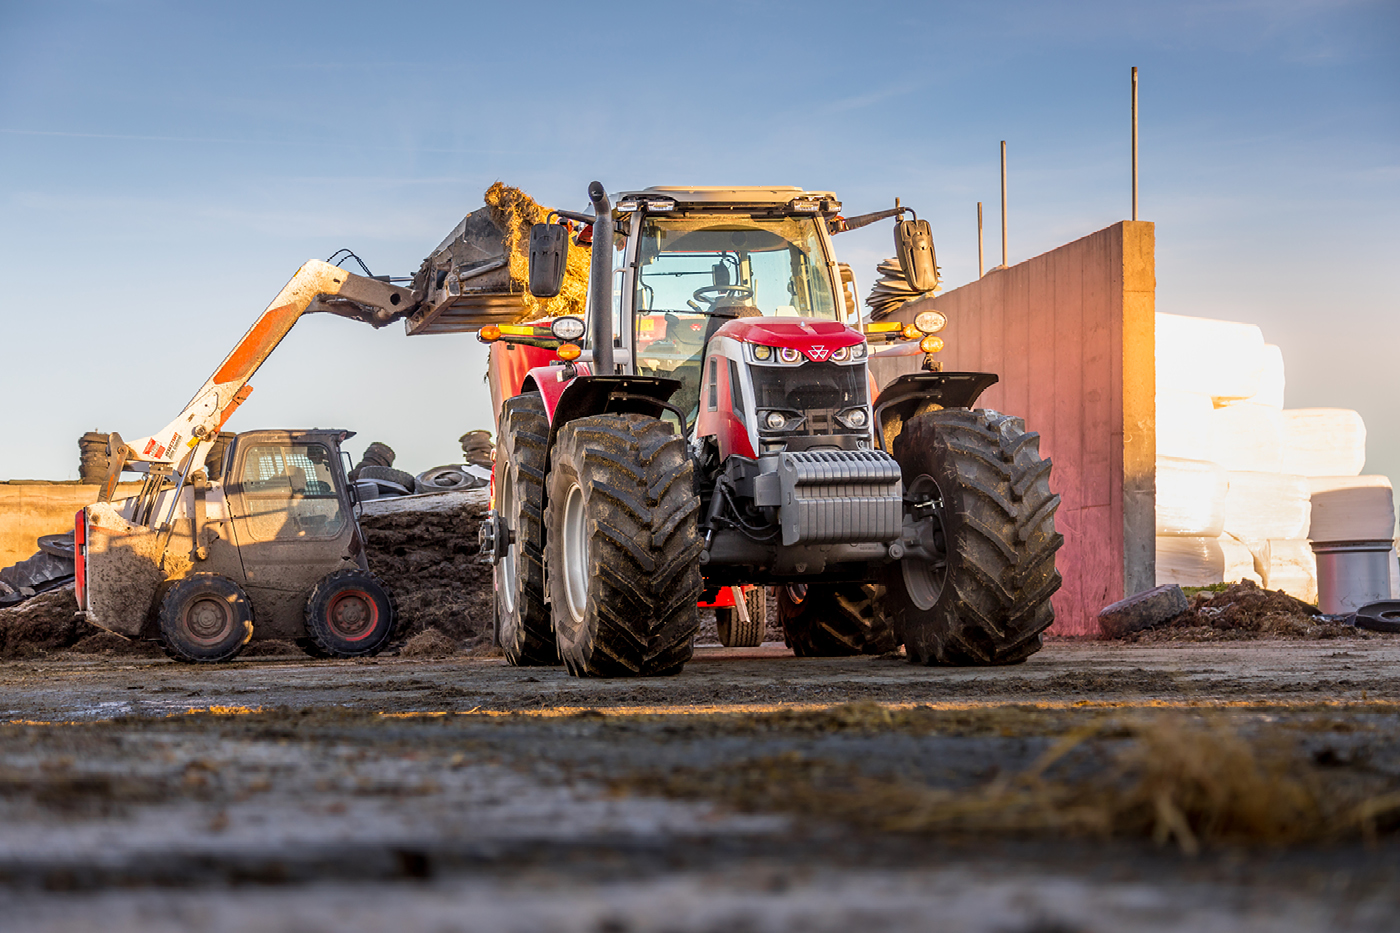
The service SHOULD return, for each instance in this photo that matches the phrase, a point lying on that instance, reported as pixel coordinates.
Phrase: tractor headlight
(789, 355)
(930, 322)
(567, 328)
(775, 421)
(840, 354)
(858, 351)
(853, 418)
(761, 353)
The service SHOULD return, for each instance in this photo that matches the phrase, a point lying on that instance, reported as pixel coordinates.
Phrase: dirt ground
(1097, 787)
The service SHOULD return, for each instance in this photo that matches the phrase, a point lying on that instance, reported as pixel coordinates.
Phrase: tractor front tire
(833, 620)
(349, 614)
(523, 627)
(980, 494)
(623, 546)
(205, 618)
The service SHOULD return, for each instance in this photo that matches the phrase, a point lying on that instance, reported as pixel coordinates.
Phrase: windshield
(697, 271)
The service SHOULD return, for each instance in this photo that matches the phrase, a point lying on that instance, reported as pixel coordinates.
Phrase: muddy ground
(1096, 787)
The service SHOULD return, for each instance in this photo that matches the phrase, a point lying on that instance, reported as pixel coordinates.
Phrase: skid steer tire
(623, 547)
(205, 619)
(733, 632)
(349, 614)
(984, 493)
(833, 620)
(524, 631)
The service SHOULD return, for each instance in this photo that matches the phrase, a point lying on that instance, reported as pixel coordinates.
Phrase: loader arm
(317, 286)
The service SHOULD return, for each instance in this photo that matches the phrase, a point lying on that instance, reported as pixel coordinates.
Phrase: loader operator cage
(290, 492)
(695, 271)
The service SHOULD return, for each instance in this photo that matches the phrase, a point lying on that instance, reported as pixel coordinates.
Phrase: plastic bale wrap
(1323, 442)
(1352, 508)
(1190, 498)
(1290, 566)
(515, 212)
(1240, 563)
(1248, 437)
(1267, 505)
(1221, 359)
(1185, 426)
(1196, 561)
(1271, 382)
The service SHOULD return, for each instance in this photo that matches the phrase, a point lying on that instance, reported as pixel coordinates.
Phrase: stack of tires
(93, 461)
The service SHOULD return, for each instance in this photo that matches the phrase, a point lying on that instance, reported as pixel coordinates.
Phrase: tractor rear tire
(349, 614)
(733, 632)
(524, 630)
(624, 548)
(989, 514)
(834, 620)
(205, 618)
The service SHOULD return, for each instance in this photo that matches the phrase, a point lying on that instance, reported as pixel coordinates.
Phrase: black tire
(624, 549)
(1383, 616)
(389, 475)
(442, 478)
(1142, 610)
(205, 618)
(733, 633)
(311, 648)
(349, 614)
(833, 620)
(984, 491)
(524, 629)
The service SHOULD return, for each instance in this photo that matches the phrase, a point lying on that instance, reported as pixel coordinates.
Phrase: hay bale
(1221, 359)
(1291, 567)
(1248, 437)
(1259, 506)
(1190, 561)
(1271, 381)
(1323, 442)
(1185, 425)
(1190, 498)
(1240, 561)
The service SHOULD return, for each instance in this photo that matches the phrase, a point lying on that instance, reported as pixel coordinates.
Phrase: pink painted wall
(1070, 333)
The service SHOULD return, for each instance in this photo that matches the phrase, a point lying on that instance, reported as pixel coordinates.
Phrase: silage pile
(1243, 611)
(514, 212)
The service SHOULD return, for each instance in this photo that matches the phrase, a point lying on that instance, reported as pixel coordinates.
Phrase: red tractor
(712, 423)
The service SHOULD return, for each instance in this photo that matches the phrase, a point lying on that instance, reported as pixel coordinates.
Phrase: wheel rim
(352, 615)
(797, 592)
(208, 620)
(506, 565)
(924, 579)
(575, 552)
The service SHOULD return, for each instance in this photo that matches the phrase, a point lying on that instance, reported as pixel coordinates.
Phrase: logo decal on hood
(818, 352)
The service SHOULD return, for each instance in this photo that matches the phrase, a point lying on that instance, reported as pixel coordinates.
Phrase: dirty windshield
(697, 271)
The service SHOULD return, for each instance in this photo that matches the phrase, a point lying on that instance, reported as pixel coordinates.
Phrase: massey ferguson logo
(818, 353)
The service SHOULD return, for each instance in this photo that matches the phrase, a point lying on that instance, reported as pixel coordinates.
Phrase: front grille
(815, 390)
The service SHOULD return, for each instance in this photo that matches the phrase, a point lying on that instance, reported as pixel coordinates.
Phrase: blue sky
(165, 167)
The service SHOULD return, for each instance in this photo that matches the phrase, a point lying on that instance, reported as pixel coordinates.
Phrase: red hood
(816, 339)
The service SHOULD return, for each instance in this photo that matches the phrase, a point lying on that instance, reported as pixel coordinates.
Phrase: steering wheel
(713, 293)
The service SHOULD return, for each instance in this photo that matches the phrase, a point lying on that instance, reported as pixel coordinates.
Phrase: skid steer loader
(711, 422)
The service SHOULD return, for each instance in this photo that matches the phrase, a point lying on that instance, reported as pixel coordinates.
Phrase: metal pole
(980, 262)
(1135, 148)
(1004, 251)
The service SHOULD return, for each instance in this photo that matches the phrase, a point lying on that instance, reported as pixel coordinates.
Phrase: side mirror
(549, 254)
(913, 244)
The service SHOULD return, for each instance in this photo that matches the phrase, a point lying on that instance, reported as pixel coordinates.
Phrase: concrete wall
(29, 509)
(1071, 334)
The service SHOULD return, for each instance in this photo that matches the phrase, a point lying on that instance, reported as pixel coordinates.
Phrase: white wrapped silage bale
(1239, 562)
(1271, 380)
(1290, 566)
(1222, 359)
(1352, 508)
(1248, 437)
(1185, 422)
(1190, 498)
(1267, 505)
(1185, 561)
(1394, 573)
(1323, 442)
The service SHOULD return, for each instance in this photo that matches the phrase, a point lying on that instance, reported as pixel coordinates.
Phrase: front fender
(551, 381)
(597, 395)
(910, 394)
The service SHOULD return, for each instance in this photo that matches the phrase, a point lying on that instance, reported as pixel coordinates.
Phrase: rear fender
(915, 393)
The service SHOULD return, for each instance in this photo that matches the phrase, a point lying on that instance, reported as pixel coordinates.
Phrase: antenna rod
(980, 262)
(1135, 146)
(1004, 261)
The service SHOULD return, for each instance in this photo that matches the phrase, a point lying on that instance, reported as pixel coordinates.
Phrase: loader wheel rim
(209, 620)
(924, 579)
(507, 563)
(575, 553)
(353, 615)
